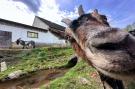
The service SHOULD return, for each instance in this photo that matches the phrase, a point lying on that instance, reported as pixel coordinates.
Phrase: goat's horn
(80, 10)
(95, 11)
(66, 21)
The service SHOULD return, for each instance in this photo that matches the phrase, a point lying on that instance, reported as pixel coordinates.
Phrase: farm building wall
(40, 24)
(21, 32)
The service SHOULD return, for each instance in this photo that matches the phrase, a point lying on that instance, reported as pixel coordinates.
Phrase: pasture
(46, 62)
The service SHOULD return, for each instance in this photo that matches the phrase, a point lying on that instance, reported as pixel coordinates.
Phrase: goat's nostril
(108, 46)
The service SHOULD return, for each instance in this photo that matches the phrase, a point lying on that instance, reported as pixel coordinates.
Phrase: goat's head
(109, 50)
(18, 41)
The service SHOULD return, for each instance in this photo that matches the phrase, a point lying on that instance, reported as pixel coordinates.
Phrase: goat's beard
(113, 63)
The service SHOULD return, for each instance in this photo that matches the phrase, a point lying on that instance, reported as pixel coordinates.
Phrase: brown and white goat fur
(110, 50)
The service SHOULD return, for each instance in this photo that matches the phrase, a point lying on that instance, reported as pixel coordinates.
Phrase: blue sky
(120, 13)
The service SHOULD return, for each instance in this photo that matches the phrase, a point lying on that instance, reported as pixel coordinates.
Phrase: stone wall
(12, 56)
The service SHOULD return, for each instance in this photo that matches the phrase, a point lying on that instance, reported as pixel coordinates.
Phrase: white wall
(18, 32)
(40, 24)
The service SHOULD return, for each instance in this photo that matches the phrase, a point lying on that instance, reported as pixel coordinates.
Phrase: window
(32, 34)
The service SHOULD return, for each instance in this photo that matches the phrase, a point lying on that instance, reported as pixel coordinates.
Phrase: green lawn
(81, 76)
(40, 58)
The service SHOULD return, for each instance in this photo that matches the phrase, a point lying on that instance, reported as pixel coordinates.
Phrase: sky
(120, 13)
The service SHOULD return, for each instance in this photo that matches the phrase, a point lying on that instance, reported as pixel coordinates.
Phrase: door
(5, 39)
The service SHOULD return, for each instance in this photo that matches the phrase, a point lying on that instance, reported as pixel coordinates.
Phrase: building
(39, 32)
(50, 26)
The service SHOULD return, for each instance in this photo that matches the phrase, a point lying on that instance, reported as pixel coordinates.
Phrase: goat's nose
(110, 40)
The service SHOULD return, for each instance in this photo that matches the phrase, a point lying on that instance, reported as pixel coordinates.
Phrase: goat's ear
(66, 21)
(95, 13)
(80, 10)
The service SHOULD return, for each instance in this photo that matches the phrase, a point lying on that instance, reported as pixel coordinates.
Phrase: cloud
(50, 10)
(33, 5)
(17, 12)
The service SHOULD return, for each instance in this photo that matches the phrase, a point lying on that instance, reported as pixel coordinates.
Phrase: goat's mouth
(114, 61)
(108, 46)
(122, 75)
(114, 58)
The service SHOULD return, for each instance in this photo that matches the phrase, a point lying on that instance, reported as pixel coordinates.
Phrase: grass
(72, 79)
(42, 58)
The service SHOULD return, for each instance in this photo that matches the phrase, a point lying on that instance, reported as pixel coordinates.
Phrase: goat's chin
(116, 75)
(117, 64)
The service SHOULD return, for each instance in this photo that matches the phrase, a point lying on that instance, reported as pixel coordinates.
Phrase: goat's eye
(75, 24)
(83, 20)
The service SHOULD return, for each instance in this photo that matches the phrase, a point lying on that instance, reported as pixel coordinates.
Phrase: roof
(51, 24)
(22, 25)
(59, 33)
(55, 29)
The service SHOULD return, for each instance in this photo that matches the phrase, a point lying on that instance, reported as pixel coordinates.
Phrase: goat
(110, 50)
(25, 44)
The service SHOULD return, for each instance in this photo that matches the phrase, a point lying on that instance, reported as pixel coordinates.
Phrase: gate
(5, 39)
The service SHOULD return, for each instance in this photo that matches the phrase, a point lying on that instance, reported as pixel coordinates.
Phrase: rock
(3, 66)
(84, 81)
(15, 74)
